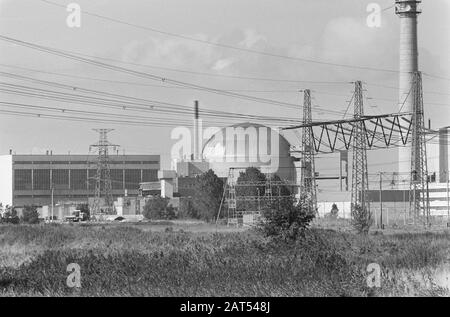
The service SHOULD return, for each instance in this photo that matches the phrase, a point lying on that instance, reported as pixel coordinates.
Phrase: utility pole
(343, 157)
(448, 199)
(52, 202)
(381, 201)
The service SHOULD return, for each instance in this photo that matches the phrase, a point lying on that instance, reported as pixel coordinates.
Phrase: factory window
(91, 180)
(42, 162)
(78, 179)
(132, 178)
(133, 162)
(149, 175)
(79, 196)
(150, 162)
(79, 162)
(60, 179)
(60, 162)
(23, 162)
(117, 178)
(22, 179)
(41, 179)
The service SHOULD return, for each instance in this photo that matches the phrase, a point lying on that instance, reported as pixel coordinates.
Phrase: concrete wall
(74, 163)
(6, 181)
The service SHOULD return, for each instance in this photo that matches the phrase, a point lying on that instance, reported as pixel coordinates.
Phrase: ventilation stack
(407, 11)
(443, 155)
(197, 140)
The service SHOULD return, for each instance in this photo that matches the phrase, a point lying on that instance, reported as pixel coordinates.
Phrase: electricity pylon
(360, 185)
(308, 190)
(103, 187)
(419, 195)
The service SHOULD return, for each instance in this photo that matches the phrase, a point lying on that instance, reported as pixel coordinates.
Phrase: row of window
(82, 162)
(56, 197)
(41, 179)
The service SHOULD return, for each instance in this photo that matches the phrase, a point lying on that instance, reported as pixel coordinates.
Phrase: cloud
(171, 51)
(221, 64)
(185, 54)
(252, 38)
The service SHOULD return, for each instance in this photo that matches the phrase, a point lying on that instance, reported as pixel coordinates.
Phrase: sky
(321, 30)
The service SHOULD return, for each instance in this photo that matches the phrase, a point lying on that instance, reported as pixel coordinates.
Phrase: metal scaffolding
(231, 196)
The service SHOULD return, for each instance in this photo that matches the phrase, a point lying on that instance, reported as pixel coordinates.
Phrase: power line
(154, 30)
(144, 75)
(132, 102)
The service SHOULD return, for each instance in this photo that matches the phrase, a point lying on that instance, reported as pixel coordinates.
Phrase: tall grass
(128, 261)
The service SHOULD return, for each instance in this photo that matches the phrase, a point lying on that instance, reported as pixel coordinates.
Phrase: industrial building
(31, 179)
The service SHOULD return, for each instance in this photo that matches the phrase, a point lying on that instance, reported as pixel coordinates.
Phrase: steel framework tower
(103, 187)
(232, 202)
(360, 184)
(308, 190)
(419, 196)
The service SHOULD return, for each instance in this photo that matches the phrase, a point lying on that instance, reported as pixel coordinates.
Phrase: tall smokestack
(443, 155)
(196, 132)
(407, 11)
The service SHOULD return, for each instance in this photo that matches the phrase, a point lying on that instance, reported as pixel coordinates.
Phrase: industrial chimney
(443, 155)
(407, 11)
(197, 132)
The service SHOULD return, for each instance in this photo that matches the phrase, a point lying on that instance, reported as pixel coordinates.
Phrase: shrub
(334, 211)
(361, 219)
(283, 219)
(186, 208)
(84, 208)
(10, 216)
(158, 208)
(30, 215)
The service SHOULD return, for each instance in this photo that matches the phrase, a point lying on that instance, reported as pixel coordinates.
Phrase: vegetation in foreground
(129, 261)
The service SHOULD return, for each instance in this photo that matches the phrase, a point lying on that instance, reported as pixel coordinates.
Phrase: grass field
(192, 259)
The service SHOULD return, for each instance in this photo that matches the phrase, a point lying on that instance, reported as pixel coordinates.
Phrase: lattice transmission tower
(419, 195)
(103, 199)
(308, 190)
(360, 183)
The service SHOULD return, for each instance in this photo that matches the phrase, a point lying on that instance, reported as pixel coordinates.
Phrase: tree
(284, 219)
(248, 179)
(208, 191)
(361, 219)
(10, 216)
(158, 208)
(30, 215)
(186, 208)
(84, 208)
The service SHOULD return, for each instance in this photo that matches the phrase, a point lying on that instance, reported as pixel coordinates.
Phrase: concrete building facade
(72, 177)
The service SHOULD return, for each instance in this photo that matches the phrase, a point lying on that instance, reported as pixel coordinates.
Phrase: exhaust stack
(443, 155)
(197, 139)
(407, 11)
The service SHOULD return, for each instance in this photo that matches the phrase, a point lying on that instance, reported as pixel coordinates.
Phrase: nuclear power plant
(416, 192)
